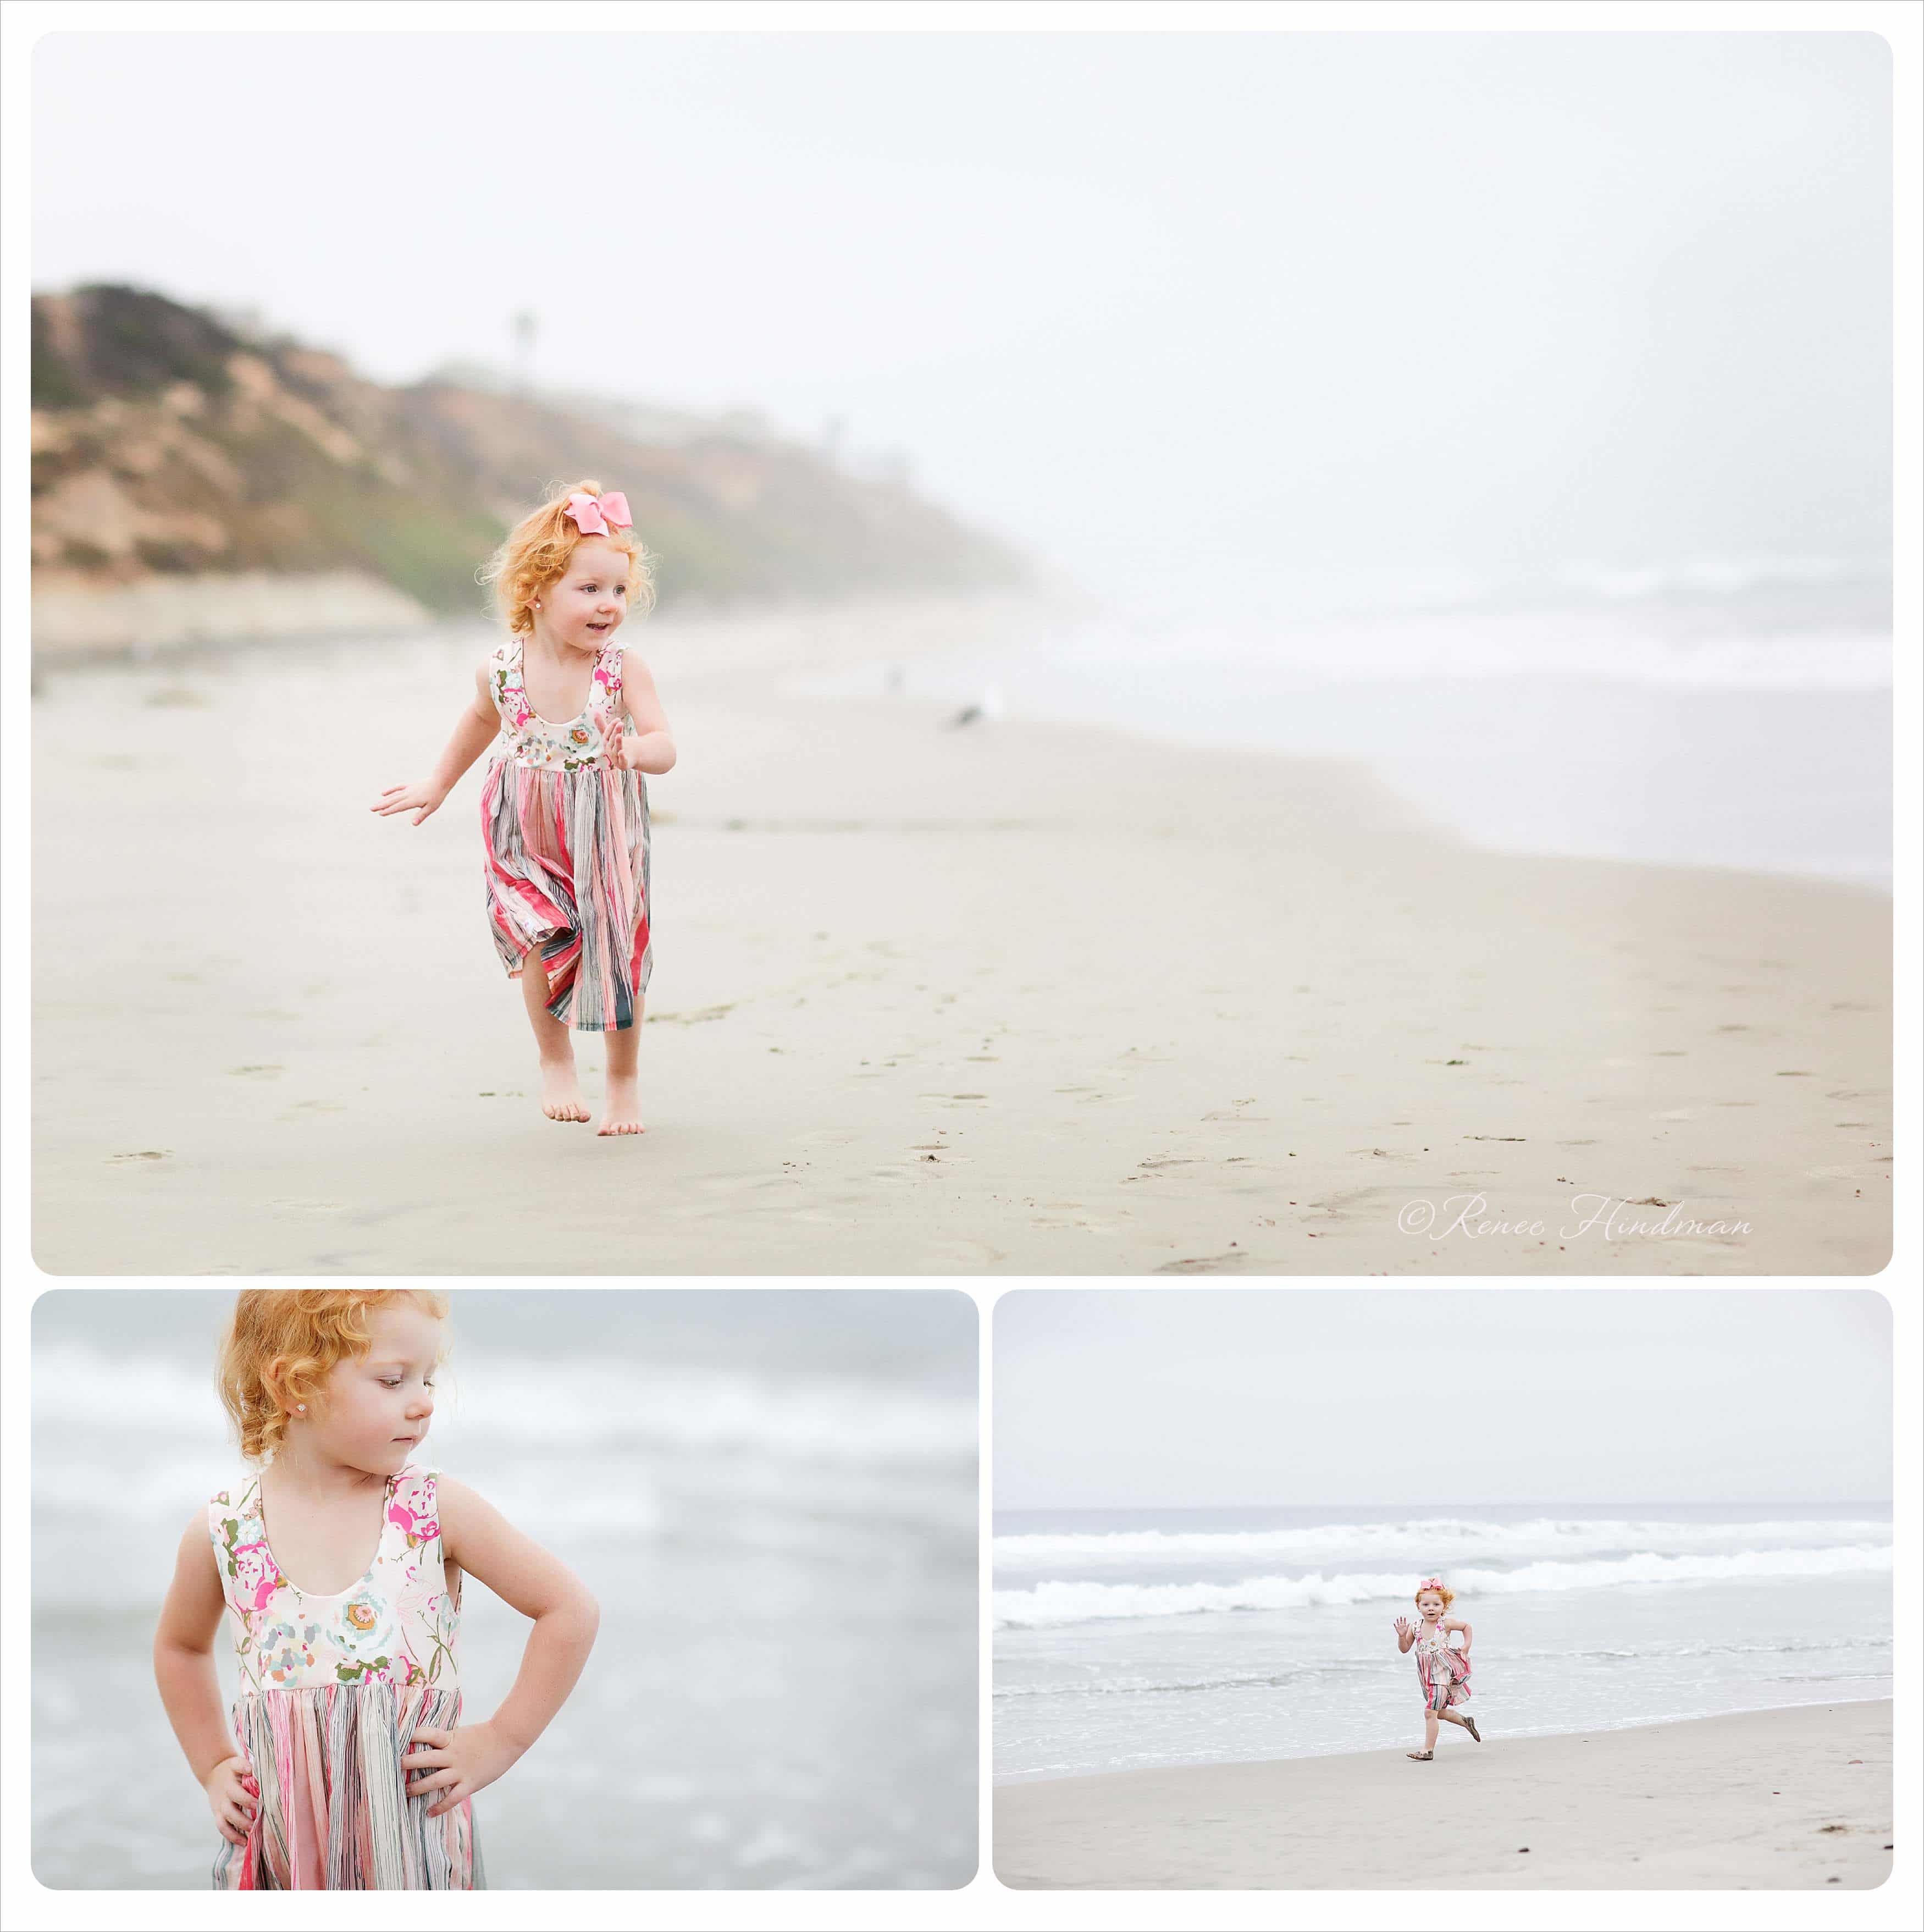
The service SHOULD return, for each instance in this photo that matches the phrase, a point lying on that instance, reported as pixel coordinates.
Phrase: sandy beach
(1007, 998)
(1770, 1799)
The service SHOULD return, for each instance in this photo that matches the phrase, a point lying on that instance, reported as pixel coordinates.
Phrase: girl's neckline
(373, 1562)
(521, 678)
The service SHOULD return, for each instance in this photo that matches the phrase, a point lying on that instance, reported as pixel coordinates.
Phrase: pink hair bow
(1429, 1583)
(593, 514)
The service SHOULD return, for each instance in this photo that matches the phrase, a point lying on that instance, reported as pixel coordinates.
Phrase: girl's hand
(622, 756)
(415, 798)
(233, 1798)
(1404, 1627)
(458, 1762)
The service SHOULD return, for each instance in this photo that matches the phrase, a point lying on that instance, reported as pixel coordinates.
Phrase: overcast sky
(1188, 1397)
(1178, 307)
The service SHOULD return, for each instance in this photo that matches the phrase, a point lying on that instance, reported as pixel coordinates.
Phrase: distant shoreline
(169, 620)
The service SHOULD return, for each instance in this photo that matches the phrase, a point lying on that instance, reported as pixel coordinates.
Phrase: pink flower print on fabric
(417, 1528)
(257, 1575)
(576, 744)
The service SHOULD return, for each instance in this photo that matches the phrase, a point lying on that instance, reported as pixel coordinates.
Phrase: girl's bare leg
(560, 1092)
(622, 1114)
(1451, 1718)
(1429, 1730)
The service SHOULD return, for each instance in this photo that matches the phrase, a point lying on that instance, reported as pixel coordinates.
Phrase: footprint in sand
(144, 1154)
(1224, 1264)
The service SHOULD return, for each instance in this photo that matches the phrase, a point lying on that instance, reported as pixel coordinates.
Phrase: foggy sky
(1193, 1398)
(1171, 309)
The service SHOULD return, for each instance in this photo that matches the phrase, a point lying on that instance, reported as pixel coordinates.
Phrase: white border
(23, 1903)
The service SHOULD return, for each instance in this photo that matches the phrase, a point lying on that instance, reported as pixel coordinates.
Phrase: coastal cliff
(192, 481)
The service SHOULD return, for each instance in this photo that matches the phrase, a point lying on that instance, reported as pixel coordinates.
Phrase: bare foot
(623, 1112)
(560, 1092)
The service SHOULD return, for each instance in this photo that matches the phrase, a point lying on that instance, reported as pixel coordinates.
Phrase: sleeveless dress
(1442, 1672)
(567, 838)
(331, 1691)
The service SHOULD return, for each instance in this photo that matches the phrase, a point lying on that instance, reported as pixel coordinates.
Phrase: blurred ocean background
(771, 1492)
(1126, 1639)
(1711, 712)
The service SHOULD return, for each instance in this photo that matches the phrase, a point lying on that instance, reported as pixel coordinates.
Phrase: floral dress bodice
(588, 739)
(396, 1626)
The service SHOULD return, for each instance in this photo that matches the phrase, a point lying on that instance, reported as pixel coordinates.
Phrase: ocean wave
(1722, 576)
(1426, 1540)
(586, 1402)
(1053, 1603)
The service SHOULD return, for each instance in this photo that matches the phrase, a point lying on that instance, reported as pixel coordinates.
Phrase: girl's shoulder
(236, 1494)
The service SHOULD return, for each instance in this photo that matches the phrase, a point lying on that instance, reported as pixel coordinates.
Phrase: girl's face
(375, 1408)
(584, 606)
(1429, 1606)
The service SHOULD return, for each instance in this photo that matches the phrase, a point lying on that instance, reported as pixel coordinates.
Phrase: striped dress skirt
(567, 870)
(1444, 1674)
(334, 1812)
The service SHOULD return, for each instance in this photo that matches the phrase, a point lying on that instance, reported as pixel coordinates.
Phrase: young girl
(1442, 1672)
(348, 1767)
(565, 808)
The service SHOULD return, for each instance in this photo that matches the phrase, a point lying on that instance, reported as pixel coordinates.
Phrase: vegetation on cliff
(168, 442)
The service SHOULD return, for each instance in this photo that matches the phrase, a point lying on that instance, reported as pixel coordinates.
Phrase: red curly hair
(281, 1344)
(536, 550)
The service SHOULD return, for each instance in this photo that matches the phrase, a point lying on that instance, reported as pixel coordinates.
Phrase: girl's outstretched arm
(648, 747)
(1467, 1633)
(474, 731)
(475, 1535)
(1406, 1635)
(183, 1669)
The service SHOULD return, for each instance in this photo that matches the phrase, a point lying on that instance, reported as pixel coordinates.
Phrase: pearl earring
(302, 1407)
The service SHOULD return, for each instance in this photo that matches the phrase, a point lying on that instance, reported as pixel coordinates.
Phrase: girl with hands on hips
(343, 1658)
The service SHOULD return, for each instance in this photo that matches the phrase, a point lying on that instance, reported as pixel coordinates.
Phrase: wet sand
(1002, 998)
(1769, 1799)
